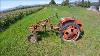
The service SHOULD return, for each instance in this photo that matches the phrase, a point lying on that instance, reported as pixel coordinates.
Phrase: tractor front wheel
(32, 38)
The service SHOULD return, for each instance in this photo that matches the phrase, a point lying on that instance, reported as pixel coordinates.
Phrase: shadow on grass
(81, 35)
(42, 34)
(45, 34)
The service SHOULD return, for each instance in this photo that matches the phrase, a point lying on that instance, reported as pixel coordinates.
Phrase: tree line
(67, 3)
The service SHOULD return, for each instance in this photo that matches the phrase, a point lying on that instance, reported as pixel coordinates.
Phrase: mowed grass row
(13, 41)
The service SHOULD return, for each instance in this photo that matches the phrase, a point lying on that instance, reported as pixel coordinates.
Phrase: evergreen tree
(52, 2)
(65, 2)
(82, 1)
(84, 4)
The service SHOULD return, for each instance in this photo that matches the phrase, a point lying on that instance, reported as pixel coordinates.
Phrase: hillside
(13, 41)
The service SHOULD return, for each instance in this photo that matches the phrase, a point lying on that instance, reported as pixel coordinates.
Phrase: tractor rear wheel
(68, 27)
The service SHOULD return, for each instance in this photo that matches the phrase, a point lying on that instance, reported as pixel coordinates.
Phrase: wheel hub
(71, 33)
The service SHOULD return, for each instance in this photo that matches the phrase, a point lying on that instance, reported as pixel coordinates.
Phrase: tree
(65, 2)
(82, 1)
(52, 2)
(84, 4)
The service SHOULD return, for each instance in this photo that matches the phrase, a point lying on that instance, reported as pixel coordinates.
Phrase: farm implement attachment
(68, 28)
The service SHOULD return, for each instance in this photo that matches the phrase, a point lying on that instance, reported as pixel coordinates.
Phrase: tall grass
(9, 18)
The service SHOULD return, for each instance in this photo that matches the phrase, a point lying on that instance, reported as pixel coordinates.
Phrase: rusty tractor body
(69, 28)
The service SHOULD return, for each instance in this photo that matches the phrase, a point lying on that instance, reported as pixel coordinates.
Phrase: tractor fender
(78, 22)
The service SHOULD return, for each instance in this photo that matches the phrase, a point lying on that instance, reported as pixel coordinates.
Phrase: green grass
(13, 41)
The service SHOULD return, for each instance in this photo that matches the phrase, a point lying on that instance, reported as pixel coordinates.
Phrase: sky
(6, 4)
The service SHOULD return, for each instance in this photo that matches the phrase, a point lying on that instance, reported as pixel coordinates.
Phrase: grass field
(13, 41)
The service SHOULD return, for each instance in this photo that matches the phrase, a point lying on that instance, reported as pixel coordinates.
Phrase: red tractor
(69, 28)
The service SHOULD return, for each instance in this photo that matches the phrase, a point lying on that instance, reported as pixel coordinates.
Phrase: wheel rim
(71, 33)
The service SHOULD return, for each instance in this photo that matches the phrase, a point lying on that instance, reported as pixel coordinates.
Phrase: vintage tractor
(69, 28)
